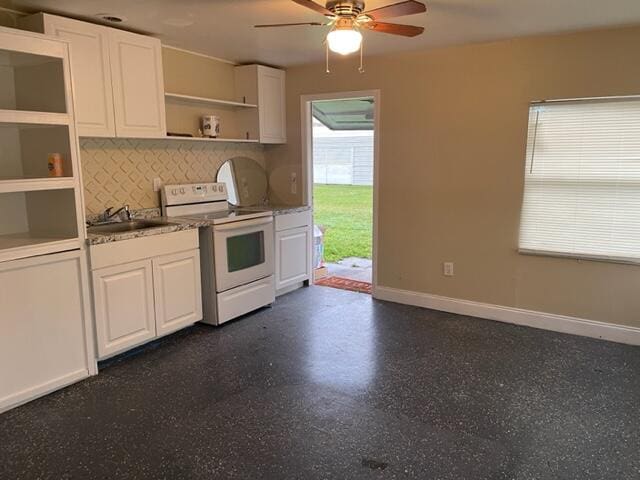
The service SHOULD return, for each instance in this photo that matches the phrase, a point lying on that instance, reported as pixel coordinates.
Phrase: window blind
(582, 180)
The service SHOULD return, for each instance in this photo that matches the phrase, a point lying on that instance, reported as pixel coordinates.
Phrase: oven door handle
(242, 224)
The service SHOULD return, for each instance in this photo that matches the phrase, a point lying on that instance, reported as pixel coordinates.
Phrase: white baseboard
(289, 289)
(517, 316)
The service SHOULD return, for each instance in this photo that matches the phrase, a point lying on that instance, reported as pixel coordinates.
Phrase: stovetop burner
(206, 201)
(226, 216)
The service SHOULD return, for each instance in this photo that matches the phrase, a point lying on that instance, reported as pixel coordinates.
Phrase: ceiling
(223, 28)
(347, 114)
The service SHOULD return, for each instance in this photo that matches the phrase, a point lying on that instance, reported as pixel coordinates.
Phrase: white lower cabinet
(124, 306)
(145, 288)
(293, 250)
(177, 290)
(45, 320)
(292, 256)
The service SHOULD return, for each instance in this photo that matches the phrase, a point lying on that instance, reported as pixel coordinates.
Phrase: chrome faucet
(123, 214)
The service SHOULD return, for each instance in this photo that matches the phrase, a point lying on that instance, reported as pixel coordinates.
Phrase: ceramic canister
(211, 126)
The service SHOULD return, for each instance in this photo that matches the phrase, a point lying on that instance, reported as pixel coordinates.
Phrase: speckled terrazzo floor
(333, 384)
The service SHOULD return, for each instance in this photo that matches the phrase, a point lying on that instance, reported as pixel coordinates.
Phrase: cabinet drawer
(125, 251)
(293, 220)
(254, 295)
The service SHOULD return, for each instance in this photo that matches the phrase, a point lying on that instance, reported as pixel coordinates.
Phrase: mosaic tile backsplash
(121, 171)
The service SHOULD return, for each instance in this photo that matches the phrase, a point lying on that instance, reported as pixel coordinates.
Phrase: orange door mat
(345, 284)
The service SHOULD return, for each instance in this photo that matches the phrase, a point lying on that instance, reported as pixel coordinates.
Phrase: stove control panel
(190, 193)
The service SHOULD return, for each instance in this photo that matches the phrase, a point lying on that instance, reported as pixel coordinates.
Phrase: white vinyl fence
(343, 160)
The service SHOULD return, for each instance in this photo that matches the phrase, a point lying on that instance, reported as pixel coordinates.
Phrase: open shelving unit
(176, 97)
(222, 140)
(15, 185)
(39, 214)
(236, 118)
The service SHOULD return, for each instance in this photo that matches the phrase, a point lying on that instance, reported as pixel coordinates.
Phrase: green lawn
(346, 213)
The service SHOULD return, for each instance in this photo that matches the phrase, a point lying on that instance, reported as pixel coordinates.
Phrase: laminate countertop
(175, 224)
(172, 225)
(279, 209)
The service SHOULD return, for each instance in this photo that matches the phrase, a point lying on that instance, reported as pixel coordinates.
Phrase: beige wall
(197, 75)
(453, 136)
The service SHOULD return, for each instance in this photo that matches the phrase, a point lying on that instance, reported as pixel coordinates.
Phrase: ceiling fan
(347, 17)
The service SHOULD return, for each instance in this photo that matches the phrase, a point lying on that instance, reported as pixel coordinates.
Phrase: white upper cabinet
(271, 94)
(90, 69)
(117, 77)
(138, 85)
(265, 87)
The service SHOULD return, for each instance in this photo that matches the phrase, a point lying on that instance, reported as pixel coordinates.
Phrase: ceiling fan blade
(410, 7)
(289, 24)
(394, 28)
(315, 7)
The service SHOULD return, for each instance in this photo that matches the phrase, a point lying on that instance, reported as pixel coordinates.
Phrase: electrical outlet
(294, 183)
(447, 269)
(157, 184)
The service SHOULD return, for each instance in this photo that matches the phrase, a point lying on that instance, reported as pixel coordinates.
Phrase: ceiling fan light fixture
(344, 41)
(348, 17)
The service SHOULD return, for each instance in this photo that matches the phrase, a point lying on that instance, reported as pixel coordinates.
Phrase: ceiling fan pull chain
(361, 69)
(326, 46)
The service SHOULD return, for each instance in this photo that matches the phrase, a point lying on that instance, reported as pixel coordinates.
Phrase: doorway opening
(342, 150)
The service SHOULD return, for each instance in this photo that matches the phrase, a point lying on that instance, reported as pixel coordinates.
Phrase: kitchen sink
(131, 226)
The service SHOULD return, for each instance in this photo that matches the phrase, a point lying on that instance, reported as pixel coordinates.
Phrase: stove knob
(182, 191)
(174, 191)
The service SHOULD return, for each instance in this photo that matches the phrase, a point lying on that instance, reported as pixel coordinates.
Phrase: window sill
(578, 256)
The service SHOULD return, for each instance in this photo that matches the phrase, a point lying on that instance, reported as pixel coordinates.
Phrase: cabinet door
(45, 324)
(138, 85)
(177, 291)
(91, 73)
(271, 98)
(124, 311)
(292, 256)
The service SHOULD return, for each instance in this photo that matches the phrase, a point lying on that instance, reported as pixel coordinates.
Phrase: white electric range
(236, 249)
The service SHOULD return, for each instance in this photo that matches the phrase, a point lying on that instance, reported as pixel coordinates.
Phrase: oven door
(243, 252)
